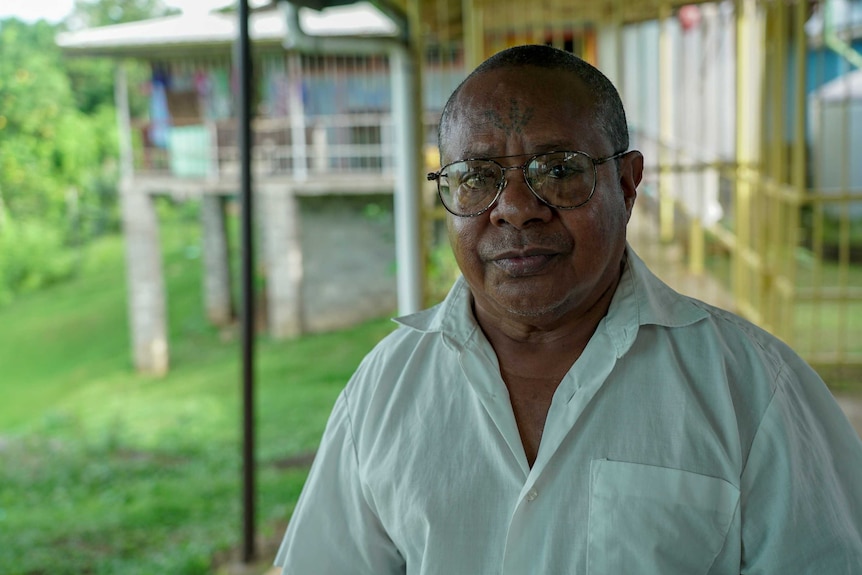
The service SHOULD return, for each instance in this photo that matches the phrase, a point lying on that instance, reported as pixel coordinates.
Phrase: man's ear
(631, 172)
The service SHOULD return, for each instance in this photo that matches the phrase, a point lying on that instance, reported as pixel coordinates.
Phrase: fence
(760, 183)
(751, 123)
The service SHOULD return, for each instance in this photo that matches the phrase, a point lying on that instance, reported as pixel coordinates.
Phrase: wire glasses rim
(436, 177)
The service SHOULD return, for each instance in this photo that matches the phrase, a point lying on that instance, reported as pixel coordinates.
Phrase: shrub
(32, 255)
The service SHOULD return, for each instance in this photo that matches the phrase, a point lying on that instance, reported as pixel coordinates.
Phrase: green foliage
(33, 257)
(92, 13)
(442, 271)
(82, 508)
(58, 144)
(92, 79)
(57, 162)
(92, 82)
(34, 100)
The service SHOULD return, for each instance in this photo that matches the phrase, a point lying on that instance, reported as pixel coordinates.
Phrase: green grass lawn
(106, 471)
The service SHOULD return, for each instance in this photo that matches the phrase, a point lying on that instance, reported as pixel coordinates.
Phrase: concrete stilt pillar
(145, 283)
(218, 300)
(283, 259)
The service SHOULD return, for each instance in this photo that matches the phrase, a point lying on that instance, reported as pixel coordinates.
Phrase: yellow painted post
(773, 247)
(782, 250)
(779, 65)
(745, 14)
(609, 45)
(775, 202)
(797, 169)
(696, 245)
(537, 24)
(474, 40)
(665, 193)
(696, 237)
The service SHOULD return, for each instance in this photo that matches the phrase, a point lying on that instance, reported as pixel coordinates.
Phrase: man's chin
(533, 308)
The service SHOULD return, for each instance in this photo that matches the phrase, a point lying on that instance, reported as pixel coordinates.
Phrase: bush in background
(33, 256)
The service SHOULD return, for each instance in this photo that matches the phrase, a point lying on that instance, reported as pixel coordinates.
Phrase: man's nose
(517, 205)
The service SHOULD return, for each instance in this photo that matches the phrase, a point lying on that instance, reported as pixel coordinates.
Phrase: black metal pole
(244, 67)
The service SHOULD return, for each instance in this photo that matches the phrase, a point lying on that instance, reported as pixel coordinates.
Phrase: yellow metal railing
(780, 215)
(787, 246)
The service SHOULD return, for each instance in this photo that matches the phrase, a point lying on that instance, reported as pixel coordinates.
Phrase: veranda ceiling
(448, 19)
(443, 19)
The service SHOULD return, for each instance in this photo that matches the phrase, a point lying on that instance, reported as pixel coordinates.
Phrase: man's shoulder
(695, 320)
(747, 345)
(405, 352)
(733, 326)
(708, 335)
(398, 344)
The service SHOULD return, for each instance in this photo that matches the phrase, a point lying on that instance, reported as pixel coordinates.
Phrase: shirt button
(532, 494)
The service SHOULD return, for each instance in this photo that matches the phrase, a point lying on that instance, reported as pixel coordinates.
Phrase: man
(563, 411)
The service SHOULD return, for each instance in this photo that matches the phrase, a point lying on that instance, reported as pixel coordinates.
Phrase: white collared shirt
(684, 440)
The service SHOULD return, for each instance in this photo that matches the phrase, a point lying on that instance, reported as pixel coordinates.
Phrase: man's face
(525, 261)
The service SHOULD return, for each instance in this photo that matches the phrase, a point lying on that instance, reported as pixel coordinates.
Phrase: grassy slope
(106, 471)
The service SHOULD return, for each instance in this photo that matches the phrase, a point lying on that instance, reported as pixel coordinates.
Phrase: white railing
(325, 145)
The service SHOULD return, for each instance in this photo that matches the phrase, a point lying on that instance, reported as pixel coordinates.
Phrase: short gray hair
(612, 115)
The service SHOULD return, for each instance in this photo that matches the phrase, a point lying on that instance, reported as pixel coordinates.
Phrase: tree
(34, 98)
(43, 148)
(93, 78)
(92, 13)
(58, 147)
(53, 158)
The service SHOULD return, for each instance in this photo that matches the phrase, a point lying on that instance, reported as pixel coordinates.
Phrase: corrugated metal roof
(626, 11)
(216, 31)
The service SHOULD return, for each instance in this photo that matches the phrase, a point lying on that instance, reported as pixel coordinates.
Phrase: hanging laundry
(160, 115)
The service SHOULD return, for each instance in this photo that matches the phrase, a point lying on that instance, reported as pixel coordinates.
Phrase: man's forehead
(535, 77)
(518, 94)
(514, 103)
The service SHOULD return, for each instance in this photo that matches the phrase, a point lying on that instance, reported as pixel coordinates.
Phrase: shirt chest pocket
(655, 520)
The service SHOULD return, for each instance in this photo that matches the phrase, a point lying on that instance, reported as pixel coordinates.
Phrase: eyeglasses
(563, 180)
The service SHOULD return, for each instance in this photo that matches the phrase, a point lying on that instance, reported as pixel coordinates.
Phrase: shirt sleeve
(802, 484)
(334, 529)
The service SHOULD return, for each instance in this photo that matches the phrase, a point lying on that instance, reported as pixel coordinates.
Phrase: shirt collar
(657, 303)
(453, 316)
(640, 299)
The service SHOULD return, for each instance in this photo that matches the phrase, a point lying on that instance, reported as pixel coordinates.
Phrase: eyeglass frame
(435, 177)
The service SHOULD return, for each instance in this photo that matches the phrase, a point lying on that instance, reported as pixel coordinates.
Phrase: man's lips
(525, 262)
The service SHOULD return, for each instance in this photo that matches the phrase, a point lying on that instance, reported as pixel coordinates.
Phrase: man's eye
(563, 170)
(475, 179)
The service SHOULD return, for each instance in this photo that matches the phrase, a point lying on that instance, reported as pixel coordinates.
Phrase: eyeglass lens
(561, 179)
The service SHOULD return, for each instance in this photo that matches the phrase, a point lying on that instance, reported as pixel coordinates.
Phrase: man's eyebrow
(555, 146)
(542, 149)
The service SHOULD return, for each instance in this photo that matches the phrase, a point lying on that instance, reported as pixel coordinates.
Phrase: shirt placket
(483, 373)
(570, 401)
